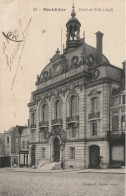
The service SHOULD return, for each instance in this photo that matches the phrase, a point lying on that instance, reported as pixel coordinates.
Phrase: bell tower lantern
(73, 31)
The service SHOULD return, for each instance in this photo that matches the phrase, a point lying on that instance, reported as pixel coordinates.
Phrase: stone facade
(12, 143)
(24, 151)
(7, 142)
(2, 147)
(116, 135)
(69, 111)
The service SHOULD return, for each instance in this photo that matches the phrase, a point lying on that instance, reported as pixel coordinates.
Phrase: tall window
(16, 140)
(23, 144)
(7, 140)
(33, 118)
(72, 153)
(43, 152)
(123, 99)
(123, 122)
(94, 128)
(94, 104)
(32, 135)
(57, 109)
(45, 113)
(73, 131)
(27, 145)
(41, 136)
(73, 105)
(115, 122)
(44, 135)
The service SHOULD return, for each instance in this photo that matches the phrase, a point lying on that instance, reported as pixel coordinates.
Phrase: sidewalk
(30, 170)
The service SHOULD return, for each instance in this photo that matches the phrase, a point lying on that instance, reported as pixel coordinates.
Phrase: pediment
(94, 92)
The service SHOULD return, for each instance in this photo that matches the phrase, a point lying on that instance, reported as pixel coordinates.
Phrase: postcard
(62, 97)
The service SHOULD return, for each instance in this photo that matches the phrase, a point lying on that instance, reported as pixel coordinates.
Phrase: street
(60, 184)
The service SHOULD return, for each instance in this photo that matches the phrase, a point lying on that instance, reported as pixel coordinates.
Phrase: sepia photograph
(62, 98)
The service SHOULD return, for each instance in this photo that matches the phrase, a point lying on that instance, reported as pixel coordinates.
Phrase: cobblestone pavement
(60, 184)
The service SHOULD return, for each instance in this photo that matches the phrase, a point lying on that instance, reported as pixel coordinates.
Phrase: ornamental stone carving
(57, 132)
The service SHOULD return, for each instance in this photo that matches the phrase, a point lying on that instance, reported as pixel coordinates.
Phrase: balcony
(43, 124)
(33, 126)
(57, 122)
(113, 135)
(72, 119)
(94, 115)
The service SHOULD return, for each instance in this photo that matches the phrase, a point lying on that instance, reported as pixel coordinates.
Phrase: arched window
(57, 109)
(73, 106)
(44, 113)
(94, 104)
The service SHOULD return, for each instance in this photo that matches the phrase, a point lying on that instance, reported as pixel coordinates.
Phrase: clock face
(90, 58)
(58, 68)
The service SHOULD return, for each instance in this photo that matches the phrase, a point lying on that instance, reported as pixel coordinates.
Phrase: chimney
(99, 36)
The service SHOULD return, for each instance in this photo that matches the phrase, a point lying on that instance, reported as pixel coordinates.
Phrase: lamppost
(62, 147)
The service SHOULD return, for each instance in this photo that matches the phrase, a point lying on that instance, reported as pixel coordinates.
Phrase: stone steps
(50, 166)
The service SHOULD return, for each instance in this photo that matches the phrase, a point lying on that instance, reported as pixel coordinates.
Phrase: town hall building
(69, 112)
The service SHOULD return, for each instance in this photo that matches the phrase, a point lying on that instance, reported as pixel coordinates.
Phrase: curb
(71, 171)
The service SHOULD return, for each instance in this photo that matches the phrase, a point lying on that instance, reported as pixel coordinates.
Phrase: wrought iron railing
(57, 121)
(43, 124)
(72, 119)
(33, 126)
(115, 132)
(94, 115)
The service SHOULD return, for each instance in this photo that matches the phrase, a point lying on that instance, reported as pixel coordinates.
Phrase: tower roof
(73, 19)
(73, 13)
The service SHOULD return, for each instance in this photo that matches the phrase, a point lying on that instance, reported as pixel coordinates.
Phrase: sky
(36, 34)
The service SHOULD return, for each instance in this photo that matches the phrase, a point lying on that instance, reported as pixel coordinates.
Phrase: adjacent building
(7, 142)
(116, 135)
(2, 148)
(12, 143)
(24, 151)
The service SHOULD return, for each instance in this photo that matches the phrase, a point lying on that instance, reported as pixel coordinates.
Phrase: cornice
(101, 81)
(76, 140)
(105, 64)
(63, 82)
(69, 80)
(67, 86)
(88, 139)
(44, 142)
(31, 104)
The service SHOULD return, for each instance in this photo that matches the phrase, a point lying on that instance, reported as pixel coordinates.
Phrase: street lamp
(62, 158)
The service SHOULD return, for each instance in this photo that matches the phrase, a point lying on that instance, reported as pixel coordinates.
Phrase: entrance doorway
(56, 144)
(33, 155)
(94, 157)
